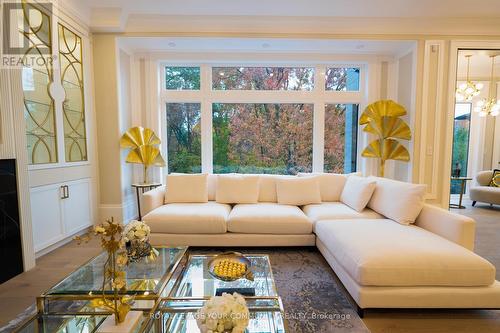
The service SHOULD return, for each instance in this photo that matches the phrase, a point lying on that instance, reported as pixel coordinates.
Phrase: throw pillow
(330, 184)
(186, 188)
(298, 191)
(399, 201)
(357, 192)
(267, 191)
(495, 179)
(237, 189)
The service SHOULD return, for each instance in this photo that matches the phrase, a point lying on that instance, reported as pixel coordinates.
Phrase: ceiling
(479, 17)
(332, 8)
(211, 44)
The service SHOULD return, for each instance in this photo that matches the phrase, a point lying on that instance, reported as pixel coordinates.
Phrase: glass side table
(146, 281)
(462, 181)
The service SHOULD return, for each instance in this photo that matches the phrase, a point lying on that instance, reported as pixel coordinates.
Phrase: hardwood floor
(19, 293)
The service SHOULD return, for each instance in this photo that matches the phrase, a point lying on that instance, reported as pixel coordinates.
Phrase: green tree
(460, 151)
(182, 78)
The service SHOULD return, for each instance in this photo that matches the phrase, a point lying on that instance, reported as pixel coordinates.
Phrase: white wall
(401, 88)
(125, 116)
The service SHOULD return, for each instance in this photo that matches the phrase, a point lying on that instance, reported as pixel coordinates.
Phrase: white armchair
(481, 191)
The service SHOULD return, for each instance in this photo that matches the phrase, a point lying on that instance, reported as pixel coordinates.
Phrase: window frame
(318, 96)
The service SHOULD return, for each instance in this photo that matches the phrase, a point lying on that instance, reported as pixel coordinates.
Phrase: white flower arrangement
(136, 231)
(226, 313)
(136, 238)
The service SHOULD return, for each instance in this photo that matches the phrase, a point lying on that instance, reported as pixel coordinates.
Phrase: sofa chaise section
(384, 253)
(383, 264)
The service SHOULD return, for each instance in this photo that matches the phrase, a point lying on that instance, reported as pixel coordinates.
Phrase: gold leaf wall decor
(382, 120)
(143, 144)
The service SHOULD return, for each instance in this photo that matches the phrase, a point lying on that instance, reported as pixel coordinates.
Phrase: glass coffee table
(146, 281)
(68, 324)
(195, 285)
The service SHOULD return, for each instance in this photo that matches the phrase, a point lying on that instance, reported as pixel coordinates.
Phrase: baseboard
(130, 210)
(121, 212)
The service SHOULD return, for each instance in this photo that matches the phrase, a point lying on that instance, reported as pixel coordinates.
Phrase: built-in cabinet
(59, 211)
(59, 123)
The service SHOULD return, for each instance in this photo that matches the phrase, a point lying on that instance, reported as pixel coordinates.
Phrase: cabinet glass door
(39, 105)
(70, 58)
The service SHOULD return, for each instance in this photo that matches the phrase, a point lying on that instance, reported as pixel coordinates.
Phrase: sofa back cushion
(267, 190)
(237, 189)
(357, 192)
(330, 184)
(399, 201)
(212, 186)
(298, 191)
(186, 188)
(483, 178)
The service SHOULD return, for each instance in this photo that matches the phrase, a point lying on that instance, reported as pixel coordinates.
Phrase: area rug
(313, 298)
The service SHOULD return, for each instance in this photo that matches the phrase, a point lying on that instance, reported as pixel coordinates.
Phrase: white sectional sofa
(389, 248)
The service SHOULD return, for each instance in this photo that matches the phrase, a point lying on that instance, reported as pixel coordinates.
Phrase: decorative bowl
(232, 256)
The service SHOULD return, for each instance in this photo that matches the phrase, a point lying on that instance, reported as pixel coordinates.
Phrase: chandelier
(489, 106)
(467, 90)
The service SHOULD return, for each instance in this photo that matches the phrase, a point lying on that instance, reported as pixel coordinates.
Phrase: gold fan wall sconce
(382, 119)
(143, 144)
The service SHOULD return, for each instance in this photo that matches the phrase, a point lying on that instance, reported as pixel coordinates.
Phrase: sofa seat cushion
(189, 218)
(382, 252)
(268, 218)
(337, 211)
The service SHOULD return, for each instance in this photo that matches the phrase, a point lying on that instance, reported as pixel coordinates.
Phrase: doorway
(476, 128)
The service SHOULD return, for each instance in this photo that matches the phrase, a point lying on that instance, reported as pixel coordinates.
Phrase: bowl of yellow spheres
(230, 266)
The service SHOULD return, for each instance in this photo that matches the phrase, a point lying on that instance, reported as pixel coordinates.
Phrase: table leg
(138, 203)
(462, 188)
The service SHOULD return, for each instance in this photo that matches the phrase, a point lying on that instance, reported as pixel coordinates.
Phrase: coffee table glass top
(142, 277)
(196, 281)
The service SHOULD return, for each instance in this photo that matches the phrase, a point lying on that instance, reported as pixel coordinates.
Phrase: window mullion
(206, 119)
(319, 119)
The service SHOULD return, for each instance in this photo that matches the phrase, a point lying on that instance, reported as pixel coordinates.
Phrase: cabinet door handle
(65, 192)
